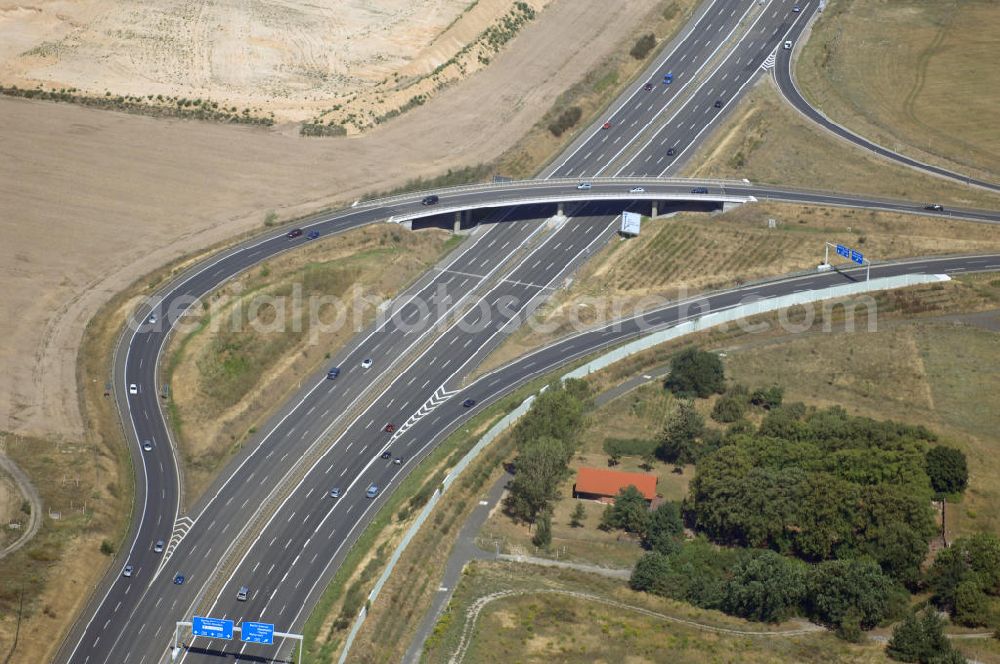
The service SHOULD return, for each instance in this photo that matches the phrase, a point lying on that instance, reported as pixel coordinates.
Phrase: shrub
(107, 548)
(697, 373)
(565, 120)
(638, 447)
(947, 470)
(643, 46)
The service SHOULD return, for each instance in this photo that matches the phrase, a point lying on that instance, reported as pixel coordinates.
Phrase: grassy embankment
(691, 253)
(925, 88)
(247, 350)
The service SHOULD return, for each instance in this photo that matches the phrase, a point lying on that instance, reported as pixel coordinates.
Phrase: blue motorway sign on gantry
(213, 628)
(257, 632)
(857, 257)
(843, 251)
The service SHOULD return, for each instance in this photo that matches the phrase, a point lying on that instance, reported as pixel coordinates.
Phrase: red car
(295, 233)
(607, 125)
(389, 428)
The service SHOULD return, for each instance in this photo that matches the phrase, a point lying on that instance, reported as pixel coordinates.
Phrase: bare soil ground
(226, 378)
(926, 87)
(92, 200)
(689, 253)
(766, 140)
(292, 59)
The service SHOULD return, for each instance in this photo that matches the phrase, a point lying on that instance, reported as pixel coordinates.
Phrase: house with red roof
(603, 485)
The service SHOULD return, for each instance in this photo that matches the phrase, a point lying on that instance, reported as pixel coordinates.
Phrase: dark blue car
(313, 235)
(179, 580)
(469, 403)
(333, 373)
(668, 78)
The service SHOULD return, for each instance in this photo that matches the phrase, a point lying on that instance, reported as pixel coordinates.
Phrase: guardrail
(688, 327)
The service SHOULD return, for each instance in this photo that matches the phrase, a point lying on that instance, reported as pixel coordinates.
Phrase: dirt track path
(27, 489)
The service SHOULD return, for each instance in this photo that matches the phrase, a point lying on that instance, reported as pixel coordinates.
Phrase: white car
(127, 571)
(133, 388)
(365, 363)
(637, 190)
(788, 45)
(148, 445)
(152, 319)
(584, 185)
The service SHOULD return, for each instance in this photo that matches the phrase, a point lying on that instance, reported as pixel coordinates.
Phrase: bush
(637, 447)
(565, 120)
(696, 373)
(543, 531)
(107, 548)
(767, 398)
(630, 512)
(848, 593)
(643, 46)
(730, 408)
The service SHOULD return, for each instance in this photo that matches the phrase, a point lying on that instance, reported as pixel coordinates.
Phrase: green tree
(969, 562)
(920, 638)
(651, 574)
(578, 515)
(844, 592)
(630, 512)
(543, 531)
(697, 373)
(972, 606)
(678, 443)
(538, 469)
(664, 529)
(947, 469)
(765, 586)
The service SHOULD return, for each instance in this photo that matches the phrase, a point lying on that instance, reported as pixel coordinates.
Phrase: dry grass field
(293, 59)
(691, 253)
(766, 140)
(227, 378)
(929, 86)
(92, 200)
(525, 616)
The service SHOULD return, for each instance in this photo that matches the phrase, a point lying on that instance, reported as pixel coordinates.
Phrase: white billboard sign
(630, 223)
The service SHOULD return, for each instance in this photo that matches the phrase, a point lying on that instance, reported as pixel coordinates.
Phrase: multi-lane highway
(331, 434)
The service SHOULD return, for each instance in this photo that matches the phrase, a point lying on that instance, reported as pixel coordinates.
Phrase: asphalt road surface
(331, 434)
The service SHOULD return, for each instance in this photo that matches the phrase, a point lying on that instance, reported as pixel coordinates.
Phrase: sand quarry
(92, 200)
(289, 57)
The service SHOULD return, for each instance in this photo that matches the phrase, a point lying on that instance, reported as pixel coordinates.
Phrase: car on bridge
(699, 190)
(313, 235)
(936, 207)
(637, 190)
(584, 185)
(333, 373)
(796, 9)
(468, 403)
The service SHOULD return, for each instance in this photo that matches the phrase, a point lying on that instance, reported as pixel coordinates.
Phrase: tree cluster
(660, 529)
(820, 485)
(759, 584)
(965, 576)
(546, 438)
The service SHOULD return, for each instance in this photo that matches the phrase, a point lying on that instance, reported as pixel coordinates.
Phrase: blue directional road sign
(843, 251)
(857, 257)
(256, 632)
(213, 628)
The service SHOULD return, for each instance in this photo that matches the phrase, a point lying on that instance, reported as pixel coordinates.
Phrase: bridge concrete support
(729, 205)
(654, 209)
(457, 228)
(560, 209)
